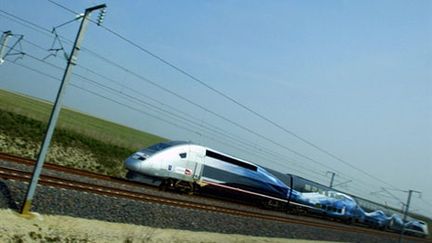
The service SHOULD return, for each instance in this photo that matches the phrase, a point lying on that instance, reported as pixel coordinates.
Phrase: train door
(184, 167)
(198, 159)
(177, 165)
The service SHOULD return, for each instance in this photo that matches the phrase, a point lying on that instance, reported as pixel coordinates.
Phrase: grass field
(78, 122)
(80, 141)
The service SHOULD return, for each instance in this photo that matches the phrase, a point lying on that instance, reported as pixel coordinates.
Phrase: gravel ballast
(55, 201)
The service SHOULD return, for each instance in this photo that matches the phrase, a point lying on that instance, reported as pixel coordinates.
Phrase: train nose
(135, 161)
(133, 164)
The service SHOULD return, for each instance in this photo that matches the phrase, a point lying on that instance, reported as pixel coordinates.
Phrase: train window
(230, 160)
(307, 187)
(183, 155)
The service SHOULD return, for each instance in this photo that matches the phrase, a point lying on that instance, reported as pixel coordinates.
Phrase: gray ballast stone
(92, 206)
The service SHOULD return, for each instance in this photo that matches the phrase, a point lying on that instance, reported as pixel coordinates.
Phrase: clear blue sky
(353, 77)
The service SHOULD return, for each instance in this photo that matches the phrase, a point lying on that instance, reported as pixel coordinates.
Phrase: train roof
(209, 152)
(164, 145)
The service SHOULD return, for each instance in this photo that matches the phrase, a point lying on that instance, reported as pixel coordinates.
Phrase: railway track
(113, 191)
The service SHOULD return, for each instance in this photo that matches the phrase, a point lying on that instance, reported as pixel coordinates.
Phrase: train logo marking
(188, 172)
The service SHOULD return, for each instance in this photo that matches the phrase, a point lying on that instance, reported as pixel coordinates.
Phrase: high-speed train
(194, 168)
(189, 167)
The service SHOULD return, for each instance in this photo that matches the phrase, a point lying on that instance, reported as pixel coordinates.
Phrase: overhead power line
(117, 83)
(230, 98)
(85, 78)
(136, 99)
(98, 94)
(190, 101)
(206, 85)
(29, 23)
(244, 106)
(125, 69)
(164, 89)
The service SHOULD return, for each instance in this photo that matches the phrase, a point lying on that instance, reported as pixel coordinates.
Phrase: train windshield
(161, 146)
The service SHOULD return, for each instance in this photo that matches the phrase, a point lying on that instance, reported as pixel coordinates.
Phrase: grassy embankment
(80, 140)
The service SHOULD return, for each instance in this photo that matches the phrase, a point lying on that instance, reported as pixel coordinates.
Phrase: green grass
(79, 141)
(80, 123)
(22, 136)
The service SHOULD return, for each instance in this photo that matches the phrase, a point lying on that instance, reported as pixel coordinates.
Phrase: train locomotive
(188, 167)
(191, 168)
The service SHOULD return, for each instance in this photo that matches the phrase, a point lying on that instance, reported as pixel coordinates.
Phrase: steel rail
(8, 173)
(55, 181)
(70, 170)
(51, 166)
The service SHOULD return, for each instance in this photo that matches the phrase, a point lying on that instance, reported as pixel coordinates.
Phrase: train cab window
(183, 155)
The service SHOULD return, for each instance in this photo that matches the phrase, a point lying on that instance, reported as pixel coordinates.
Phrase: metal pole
(332, 178)
(3, 43)
(406, 213)
(26, 207)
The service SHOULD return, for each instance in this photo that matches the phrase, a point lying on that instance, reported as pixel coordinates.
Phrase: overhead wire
(187, 74)
(133, 98)
(246, 107)
(233, 100)
(277, 161)
(126, 70)
(210, 126)
(143, 102)
(203, 108)
(44, 29)
(22, 21)
(96, 93)
(128, 106)
(230, 144)
(213, 113)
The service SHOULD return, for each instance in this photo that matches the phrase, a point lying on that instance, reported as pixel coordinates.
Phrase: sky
(347, 83)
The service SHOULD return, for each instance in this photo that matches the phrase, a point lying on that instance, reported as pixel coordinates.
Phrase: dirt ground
(50, 228)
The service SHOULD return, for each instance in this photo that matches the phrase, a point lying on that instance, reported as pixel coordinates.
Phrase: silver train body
(187, 166)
